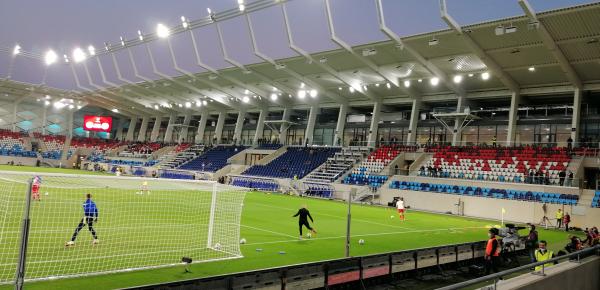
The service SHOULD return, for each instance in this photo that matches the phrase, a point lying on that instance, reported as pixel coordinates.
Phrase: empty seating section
(534, 196)
(269, 146)
(54, 145)
(318, 190)
(256, 183)
(296, 161)
(510, 164)
(336, 166)
(213, 159)
(596, 199)
(11, 144)
(374, 163)
(172, 174)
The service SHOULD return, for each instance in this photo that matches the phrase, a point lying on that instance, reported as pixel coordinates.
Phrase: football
(242, 241)
(361, 242)
(309, 235)
(217, 246)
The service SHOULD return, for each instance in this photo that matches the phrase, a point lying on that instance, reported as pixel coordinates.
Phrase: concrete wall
(28, 161)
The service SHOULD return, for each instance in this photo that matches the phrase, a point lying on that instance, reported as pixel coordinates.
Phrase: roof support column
(201, 127)
(131, 130)
(155, 129)
(287, 112)
(44, 120)
(219, 128)
(310, 127)
(119, 134)
(576, 115)
(372, 141)
(414, 120)
(143, 128)
(239, 125)
(338, 138)
(260, 125)
(515, 99)
(169, 131)
(457, 132)
(14, 115)
(183, 133)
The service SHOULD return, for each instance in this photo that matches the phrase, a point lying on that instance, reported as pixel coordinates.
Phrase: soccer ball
(392, 216)
(361, 242)
(46, 193)
(309, 235)
(217, 246)
(69, 243)
(242, 241)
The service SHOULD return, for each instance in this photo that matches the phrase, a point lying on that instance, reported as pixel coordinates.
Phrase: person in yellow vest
(492, 252)
(559, 218)
(543, 254)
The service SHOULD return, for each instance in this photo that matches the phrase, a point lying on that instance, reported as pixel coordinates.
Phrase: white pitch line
(365, 235)
(268, 231)
(338, 217)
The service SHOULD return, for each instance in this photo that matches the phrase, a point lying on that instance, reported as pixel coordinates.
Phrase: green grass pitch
(269, 229)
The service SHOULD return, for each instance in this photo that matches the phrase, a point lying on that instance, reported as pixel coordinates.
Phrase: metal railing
(498, 276)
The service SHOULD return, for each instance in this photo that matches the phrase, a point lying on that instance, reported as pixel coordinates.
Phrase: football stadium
(300, 144)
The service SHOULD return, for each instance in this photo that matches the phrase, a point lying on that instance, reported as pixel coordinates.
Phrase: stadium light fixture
(301, 94)
(188, 104)
(420, 80)
(66, 58)
(71, 107)
(434, 81)
(471, 75)
(302, 85)
(122, 40)
(184, 22)
(351, 88)
(198, 103)
(246, 99)
(241, 5)
(339, 88)
(156, 107)
(313, 93)
(162, 31)
(485, 76)
(246, 91)
(46, 103)
(17, 49)
(388, 85)
(58, 105)
(407, 84)
(140, 35)
(79, 107)
(78, 55)
(50, 57)
(531, 68)
(457, 79)
(273, 97)
(91, 50)
(365, 88)
(205, 102)
(180, 105)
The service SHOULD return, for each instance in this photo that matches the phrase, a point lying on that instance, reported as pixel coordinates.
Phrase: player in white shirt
(400, 207)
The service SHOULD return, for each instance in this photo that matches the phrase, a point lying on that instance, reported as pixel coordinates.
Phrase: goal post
(140, 223)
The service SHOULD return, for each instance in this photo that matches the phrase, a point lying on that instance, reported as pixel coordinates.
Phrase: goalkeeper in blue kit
(90, 215)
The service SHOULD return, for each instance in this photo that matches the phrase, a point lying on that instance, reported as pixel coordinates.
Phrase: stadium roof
(537, 54)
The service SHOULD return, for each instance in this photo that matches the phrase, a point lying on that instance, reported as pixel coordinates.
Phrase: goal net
(140, 223)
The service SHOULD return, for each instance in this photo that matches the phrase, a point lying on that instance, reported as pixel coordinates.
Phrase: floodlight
(274, 89)
(79, 107)
(388, 85)
(50, 57)
(78, 55)
(58, 105)
(184, 22)
(351, 88)
(273, 97)
(313, 93)
(198, 103)
(301, 94)
(92, 50)
(17, 49)
(485, 76)
(246, 91)
(122, 40)
(531, 69)
(115, 110)
(66, 58)
(140, 36)
(204, 102)
(471, 75)
(71, 107)
(420, 80)
(246, 99)
(180, 105)
(302, 85)
(407, 84)
(162, 31)
(365, 88)
(46, 103)
(241, 5)
(457, 79)
(339, 88)
(434, 81)
(188, 104)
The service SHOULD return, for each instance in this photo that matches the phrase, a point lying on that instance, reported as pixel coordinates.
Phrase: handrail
(498, 275)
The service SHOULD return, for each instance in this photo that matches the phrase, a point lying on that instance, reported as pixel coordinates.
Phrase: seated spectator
(574, 244)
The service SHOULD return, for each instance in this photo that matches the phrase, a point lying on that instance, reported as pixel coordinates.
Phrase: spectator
(532, 242)
(570, 177)
(559, 218)
(569, 145)
(591, 238)
(494, 139)
(561, 177)
(543, 254)
(574, 244)
(566, 221)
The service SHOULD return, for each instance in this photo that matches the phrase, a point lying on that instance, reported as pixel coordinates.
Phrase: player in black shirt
(303, 220)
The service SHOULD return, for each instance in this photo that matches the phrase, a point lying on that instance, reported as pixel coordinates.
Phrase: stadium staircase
(336, 166)
(174, 159)
(365, 195)
(272, 156)
(586, 197)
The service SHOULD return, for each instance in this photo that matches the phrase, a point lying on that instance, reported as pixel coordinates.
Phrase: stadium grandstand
(435, 143)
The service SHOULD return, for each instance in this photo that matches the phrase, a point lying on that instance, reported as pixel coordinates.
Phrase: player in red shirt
(35, 188)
